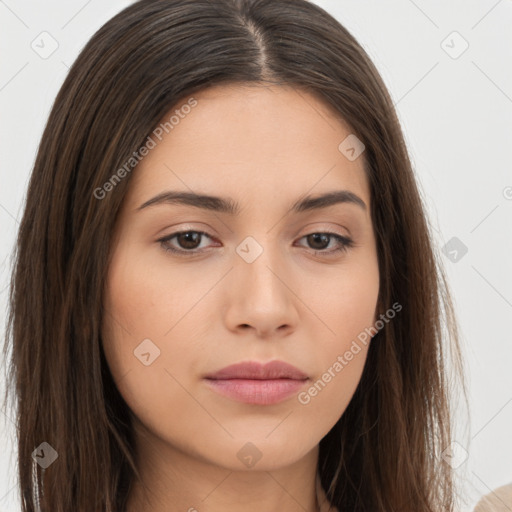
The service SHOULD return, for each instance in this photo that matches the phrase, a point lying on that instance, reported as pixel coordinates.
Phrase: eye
(319, 242)
(189, 242)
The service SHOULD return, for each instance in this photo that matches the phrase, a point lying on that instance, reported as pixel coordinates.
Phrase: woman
(226, 295)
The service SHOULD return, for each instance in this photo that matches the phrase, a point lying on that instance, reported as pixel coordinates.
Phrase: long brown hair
(384, 452)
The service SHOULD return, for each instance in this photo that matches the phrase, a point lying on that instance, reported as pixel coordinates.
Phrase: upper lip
(256, 370)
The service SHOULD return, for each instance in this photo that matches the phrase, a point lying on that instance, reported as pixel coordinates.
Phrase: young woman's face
(264, 283)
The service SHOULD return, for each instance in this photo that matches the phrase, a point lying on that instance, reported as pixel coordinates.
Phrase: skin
(264, 147)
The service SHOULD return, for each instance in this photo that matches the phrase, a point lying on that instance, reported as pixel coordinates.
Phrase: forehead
(250, 141)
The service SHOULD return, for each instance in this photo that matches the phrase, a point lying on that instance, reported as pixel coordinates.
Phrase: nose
(261, 298)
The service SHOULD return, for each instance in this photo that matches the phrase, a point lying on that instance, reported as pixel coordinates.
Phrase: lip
(255, 383)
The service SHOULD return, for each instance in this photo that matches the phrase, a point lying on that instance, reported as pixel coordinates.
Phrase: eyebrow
(227, 205)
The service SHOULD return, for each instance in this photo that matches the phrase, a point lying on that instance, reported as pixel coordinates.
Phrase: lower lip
(259, 392)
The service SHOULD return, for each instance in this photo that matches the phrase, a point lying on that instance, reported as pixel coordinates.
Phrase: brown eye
(188, 242)
(188, 239)
(319, 242)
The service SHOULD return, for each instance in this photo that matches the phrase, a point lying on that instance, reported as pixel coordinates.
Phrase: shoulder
(498, 500)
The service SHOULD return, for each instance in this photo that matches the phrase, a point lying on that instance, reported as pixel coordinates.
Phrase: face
(196, 287)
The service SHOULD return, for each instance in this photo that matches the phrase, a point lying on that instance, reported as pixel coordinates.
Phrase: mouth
(256, 383)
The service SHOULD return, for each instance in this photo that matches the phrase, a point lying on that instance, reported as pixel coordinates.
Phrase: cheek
(346, 301)
(156, 308)
(146, 296)
(348, 307)
(140, 304)
(146, 336)
(330, 392)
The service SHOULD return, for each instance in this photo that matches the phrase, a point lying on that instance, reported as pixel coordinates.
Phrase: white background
(456, 114)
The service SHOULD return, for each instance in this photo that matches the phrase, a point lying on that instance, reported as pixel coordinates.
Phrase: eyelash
(345, 243)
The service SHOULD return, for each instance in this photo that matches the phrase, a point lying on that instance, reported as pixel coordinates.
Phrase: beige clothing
(499, 500)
